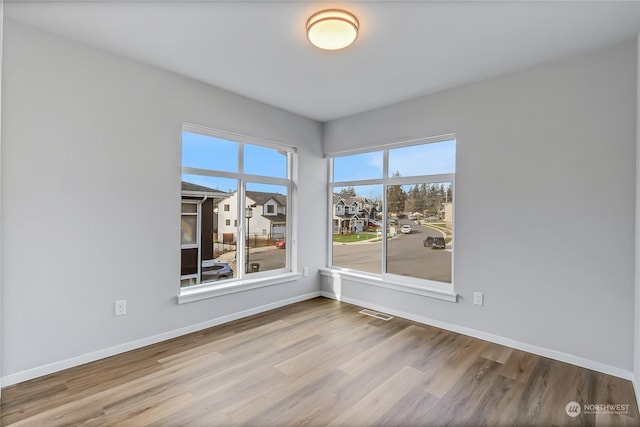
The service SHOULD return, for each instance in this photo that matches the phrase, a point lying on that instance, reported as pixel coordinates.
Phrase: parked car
(434, 242)
(438, 243)
(216, 270)
(281, 244)
(405, 229)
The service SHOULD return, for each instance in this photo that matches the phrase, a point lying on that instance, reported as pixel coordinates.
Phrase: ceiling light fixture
(332, 29)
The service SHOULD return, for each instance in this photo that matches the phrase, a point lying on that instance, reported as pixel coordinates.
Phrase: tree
(396, 197)
(348, 192)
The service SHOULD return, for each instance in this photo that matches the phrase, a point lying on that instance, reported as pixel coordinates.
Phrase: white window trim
(264, 278)
(204, 291)
(424, 287)
(430, 289)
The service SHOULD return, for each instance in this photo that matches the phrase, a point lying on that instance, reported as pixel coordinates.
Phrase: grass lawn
(354, 237)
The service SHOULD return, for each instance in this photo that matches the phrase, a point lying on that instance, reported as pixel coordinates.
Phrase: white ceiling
(405, 49)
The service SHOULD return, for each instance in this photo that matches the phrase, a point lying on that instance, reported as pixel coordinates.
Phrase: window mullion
(385, 213)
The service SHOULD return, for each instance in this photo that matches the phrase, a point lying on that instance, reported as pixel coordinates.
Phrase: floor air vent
(376, 314)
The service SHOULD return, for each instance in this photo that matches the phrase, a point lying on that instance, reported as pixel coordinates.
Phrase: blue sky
(206, 152)
(425, 159)
(373, 192)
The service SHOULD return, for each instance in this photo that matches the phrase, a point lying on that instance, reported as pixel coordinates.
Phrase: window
(399, 216)
(229, 181)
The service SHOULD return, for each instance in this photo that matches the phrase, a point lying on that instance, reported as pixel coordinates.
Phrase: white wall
(636, 323)
(91, 199)
(1, 56)
(545, 204)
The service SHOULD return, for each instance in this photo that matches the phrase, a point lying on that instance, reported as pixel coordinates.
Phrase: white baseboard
(132, 345)
(540, 351)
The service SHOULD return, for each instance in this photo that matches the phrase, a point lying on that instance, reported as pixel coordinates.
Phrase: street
(407, 255)
(268, 258)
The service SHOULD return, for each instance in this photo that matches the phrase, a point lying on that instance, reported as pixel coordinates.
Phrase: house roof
(349, 199)
(191, 189)
(276, 218)
(260, 198)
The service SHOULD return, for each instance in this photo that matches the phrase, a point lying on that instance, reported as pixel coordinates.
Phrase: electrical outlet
(478, 298)
(120, 307)
(305, 271)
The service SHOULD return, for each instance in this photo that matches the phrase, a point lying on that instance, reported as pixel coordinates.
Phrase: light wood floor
(318, 362)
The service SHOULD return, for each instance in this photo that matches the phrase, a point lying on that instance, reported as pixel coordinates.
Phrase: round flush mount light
(332, 29)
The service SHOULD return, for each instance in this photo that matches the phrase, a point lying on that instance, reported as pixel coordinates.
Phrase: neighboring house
(269, 219)
(197, 224)
(352, 213)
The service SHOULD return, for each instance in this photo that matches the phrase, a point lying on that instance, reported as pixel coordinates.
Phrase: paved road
(269, 258)
(406, 255)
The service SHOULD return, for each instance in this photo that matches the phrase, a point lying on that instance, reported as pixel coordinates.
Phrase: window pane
(425, 159)
(189, 226)
(357, 167)
(266, 232)
(189, 208)
(207, 152)
(357, 228)
(265, 161)
(420, 233)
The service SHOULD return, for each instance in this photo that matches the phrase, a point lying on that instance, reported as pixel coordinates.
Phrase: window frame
(414, 285)
(245, 281)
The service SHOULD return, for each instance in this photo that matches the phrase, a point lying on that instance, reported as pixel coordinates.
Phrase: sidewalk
(230, 256)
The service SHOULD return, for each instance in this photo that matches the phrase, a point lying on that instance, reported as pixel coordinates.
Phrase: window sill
(431, 290)
(233, 286)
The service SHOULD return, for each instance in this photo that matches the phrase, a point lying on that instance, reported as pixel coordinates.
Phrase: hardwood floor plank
(365, 359)
(519, 366)
(378, 401)
(449, 372)
(318, 363)
(469, 393)
(497, 353)
(303, 406)
(415, 409)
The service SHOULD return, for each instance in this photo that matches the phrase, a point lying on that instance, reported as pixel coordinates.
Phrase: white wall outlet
(305, 271)
(120, 307)
(478, 298)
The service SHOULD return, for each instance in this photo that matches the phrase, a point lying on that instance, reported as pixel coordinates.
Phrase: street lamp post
(248, 213)
(215, 231)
